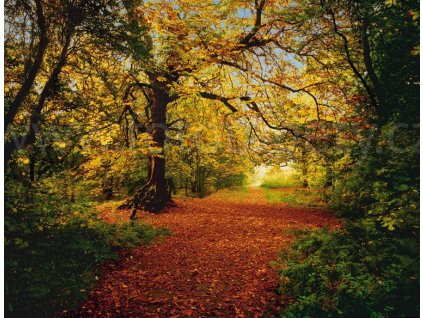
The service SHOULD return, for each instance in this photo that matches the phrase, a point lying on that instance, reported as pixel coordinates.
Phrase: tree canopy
(138, 100)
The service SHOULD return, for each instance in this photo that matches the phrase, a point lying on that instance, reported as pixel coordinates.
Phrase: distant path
(215, 263)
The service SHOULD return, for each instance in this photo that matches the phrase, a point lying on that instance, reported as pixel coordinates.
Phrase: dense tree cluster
(115, 98)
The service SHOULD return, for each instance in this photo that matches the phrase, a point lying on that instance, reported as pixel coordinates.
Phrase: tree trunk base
(149, 199)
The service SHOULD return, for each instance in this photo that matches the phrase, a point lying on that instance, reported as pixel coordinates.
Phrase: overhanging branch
(224, 100)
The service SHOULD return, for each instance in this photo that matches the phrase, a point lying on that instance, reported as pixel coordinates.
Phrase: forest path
(215, 263)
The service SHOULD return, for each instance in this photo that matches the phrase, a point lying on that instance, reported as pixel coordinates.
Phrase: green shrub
(370, 268)
(231, 181)
(357, 271)
(301, 197)
(277, 183)
(53, 250)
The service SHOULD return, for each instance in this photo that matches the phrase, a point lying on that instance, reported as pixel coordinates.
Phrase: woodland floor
(214, 264)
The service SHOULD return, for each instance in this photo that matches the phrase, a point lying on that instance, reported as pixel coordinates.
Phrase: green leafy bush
(278, 182)
(53, 249)
(358, 271)
(303, 197)
(231, 181)
(370, 267)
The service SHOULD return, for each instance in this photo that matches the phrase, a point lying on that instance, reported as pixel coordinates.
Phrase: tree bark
(153, 196)
(29, 81)
(31, 168)
(12, 146)
(201, 182)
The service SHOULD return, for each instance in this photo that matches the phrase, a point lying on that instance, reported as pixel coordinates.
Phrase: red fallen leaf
(160, 279)
(229, 239)
(188, 312)
(194, 272)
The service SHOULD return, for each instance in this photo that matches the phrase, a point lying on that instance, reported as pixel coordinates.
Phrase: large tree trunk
(153, 196)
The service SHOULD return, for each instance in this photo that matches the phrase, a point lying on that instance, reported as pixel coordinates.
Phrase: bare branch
(224, 100)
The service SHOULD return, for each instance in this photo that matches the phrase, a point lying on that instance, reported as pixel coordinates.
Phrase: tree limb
(29, 138)
(29, 81)
(224, 100)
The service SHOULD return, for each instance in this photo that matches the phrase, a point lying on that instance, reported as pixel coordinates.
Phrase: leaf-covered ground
(215, 263)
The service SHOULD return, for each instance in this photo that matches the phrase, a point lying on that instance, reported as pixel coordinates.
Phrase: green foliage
(394, 38)
(231, 181)
(296, 197)
(370, 267)
(358, 271)
(384, 183)
(53, 249)
(277, 178)
(289, 90)
(280, 183)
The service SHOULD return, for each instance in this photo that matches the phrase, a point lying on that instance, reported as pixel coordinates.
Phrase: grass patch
(228, 194)
(281, 181)
(295, 197)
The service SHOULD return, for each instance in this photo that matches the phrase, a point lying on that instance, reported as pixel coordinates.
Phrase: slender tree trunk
(12, 146)
(29, 81)
(153, 196)
(198, 177)
(72, 194)
(108, 188)
(201, 182)
(31, 168)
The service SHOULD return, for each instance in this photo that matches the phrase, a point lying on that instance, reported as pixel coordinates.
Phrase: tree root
(148, 199)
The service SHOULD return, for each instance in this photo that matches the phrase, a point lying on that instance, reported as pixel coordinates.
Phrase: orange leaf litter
(214, 264)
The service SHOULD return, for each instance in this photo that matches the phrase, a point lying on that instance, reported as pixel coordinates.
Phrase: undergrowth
(280, 179)
(54, 249)
(357, 271)
(302, 197)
